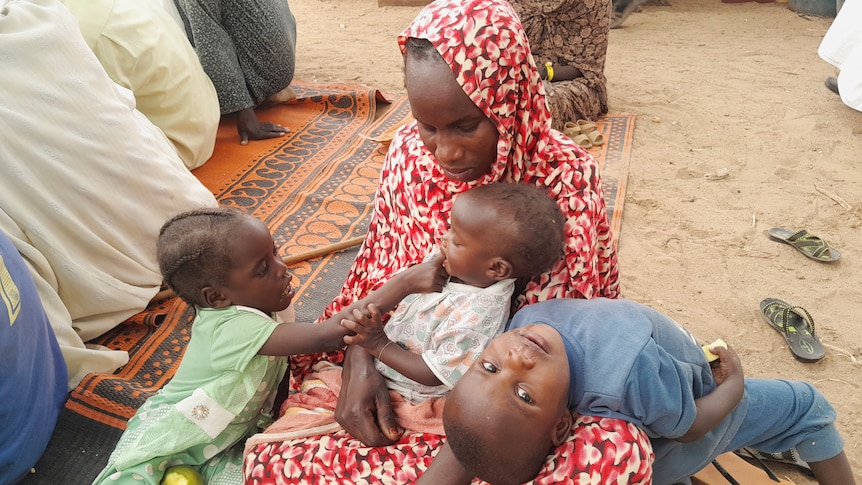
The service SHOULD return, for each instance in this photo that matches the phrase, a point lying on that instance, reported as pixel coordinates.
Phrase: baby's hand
(728, 366)
(426, 277)
(368, 326)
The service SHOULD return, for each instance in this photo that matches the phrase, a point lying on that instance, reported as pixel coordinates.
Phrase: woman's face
(455, 131)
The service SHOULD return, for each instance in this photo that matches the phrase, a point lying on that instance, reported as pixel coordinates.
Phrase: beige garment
(86, 181)
(143, 49)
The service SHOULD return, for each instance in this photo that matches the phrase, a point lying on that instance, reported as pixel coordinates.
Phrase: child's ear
(563, 428)
(214, 297)
(500, 269)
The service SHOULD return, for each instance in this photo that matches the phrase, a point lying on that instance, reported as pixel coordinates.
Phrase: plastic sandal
(795, 324)
(596, 138)
(808, 244)
(586, 126)
(788, 457)
(571, 129)
(583, 140)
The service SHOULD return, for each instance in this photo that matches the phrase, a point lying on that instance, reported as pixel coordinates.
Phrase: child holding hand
(226, 263)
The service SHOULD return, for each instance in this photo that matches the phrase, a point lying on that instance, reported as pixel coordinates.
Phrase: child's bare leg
(834, 471)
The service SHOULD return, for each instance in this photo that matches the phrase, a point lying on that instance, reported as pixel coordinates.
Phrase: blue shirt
(629, 362)
(32, 370)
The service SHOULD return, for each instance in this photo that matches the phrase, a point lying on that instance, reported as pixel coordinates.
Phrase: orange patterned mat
(312, 187)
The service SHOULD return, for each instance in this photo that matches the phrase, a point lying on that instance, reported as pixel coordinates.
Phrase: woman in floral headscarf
(481, 118)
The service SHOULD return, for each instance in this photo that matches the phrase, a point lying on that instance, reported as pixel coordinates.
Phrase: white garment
(86, 181)
(842, 47)
(142, 49)
(449, 330)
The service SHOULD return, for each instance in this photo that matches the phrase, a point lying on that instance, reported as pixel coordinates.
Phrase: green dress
(221, 394)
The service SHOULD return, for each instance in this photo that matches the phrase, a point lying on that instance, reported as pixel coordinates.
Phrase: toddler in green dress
(226, 263)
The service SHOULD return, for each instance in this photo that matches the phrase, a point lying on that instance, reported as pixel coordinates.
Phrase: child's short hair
(535, 227)
(194, 250)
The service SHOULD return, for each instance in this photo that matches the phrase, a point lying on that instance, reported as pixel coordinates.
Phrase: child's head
(502, 230)
(511, 407)
(217, 257)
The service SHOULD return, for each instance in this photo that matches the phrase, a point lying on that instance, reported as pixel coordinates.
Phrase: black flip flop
(806, 243)
(795, 324)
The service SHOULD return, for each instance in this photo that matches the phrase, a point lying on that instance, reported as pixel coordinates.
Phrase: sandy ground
(715, 86)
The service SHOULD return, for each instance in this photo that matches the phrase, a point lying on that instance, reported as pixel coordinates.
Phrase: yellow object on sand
(182, 475)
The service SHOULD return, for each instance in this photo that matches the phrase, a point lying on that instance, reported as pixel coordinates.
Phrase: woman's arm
(560, 73)
(715, 406)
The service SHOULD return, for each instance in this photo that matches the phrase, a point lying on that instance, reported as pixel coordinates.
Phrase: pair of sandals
(584, 133)
(794, 323)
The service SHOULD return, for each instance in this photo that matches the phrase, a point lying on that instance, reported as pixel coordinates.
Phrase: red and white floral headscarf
(484, 44)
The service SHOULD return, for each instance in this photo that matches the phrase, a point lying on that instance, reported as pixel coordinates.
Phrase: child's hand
(426, 277)
(729, 366)
(368, 326)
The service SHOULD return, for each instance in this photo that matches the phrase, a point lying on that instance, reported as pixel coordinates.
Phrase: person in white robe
(86, 181)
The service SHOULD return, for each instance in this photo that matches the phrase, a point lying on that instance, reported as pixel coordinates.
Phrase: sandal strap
(784, 310)
(806, 317)
(811, 244)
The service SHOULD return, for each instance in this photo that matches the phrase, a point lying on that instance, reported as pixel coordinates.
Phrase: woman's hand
(364, 408)
(250, 128)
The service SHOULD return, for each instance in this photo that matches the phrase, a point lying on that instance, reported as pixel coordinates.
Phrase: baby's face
(468, 252)
(259, 278)
(525, 370)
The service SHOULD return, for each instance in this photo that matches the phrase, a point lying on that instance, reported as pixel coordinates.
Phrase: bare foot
(283, 96)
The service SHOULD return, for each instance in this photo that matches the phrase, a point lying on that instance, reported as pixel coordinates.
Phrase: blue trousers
(774, 416)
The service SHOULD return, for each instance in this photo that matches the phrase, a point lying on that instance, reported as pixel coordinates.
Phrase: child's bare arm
(445, 470)
(368, 327)
(715, 406)
(305, 338)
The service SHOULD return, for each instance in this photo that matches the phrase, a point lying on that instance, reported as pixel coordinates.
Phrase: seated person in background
(143, 49)
(842, 47)
(570, 51)
(225, 263)
(32, 372)
(248, 49)
(498, 233)
(86, 181)
(620, 359)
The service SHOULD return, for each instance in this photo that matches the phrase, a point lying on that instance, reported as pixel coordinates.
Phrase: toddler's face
(525, 369)
(514, 396)
(259, 278)
(468, 252)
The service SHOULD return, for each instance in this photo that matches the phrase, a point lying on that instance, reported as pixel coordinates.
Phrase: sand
(714, 86)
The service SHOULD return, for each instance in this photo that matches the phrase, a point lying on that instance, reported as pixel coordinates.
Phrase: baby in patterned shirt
(500, 236)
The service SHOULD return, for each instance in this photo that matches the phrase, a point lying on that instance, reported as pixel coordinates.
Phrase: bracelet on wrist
(549, 68)
(380, 354)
